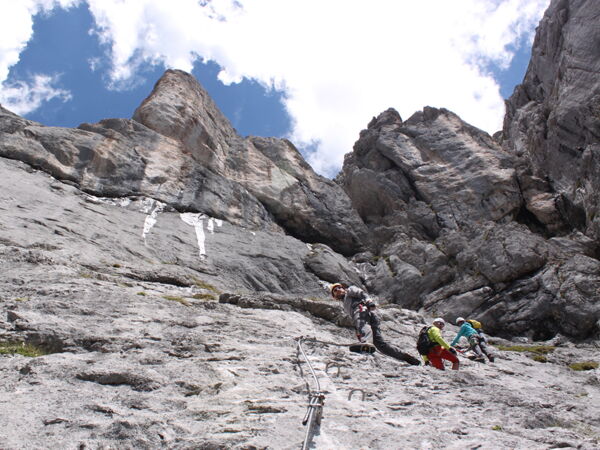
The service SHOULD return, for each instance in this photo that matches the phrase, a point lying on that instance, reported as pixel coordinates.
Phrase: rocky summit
(165, 281)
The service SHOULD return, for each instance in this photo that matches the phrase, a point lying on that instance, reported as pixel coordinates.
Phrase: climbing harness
(315, 404)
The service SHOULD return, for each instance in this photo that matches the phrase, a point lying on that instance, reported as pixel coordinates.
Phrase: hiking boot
(362, 347)
(491, 358)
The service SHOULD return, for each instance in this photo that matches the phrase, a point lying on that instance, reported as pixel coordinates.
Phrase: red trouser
(437, 353)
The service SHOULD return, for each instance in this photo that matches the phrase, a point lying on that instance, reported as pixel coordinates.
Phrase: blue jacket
(466, 330)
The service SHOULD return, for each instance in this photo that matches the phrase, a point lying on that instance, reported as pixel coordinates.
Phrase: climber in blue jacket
(476, 343)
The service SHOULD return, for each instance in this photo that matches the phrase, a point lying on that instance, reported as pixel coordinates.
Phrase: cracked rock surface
(145, 353)
(157, 274)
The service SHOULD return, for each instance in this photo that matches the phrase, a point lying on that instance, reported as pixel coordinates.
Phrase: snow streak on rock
(197, 221)
(152, 208)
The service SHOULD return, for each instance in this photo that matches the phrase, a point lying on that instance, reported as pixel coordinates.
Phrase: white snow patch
(152, 208)
(122, 201)
(197, 221)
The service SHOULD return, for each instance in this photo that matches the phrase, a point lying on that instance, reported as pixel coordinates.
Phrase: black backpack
(424, 344)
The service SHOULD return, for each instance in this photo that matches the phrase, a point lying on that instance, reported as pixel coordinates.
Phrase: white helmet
(459, 320)
(439, 320)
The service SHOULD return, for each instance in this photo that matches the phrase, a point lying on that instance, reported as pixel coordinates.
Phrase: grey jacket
(354, 297)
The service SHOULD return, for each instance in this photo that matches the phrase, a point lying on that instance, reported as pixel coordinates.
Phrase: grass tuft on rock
(204, 285)
(537, 349)
(204, 296)
(584, 365)
(175, 298)
(21, 348)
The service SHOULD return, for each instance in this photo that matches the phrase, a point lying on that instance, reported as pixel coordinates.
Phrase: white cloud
(16, 28)
(23, 97)
(339, 61)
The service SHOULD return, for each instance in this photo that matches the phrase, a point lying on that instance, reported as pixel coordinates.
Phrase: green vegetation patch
(584, 365)
(389, 265)
(204, 285)
(142, 293)
(177, 299)
(497, 428)
(21, 348)
(536, 352)
(204, 296)
(538, 349)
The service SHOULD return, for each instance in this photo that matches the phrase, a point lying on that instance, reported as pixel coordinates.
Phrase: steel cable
(315, 404)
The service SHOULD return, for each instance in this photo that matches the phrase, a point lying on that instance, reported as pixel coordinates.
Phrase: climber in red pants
(440, 349)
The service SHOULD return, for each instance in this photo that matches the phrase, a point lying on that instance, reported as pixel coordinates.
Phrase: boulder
(330, 266)
(435, 162)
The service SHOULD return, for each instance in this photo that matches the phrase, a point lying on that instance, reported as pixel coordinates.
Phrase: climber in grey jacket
(361, 310)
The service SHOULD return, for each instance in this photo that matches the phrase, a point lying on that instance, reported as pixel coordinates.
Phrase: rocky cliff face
(182, 151)
(552, 125)
(148, 345)
(505, 231)
(454, 233)
(164, 268)
(306, 205)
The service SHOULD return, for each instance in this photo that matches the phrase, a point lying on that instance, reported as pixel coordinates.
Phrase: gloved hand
(452, 350)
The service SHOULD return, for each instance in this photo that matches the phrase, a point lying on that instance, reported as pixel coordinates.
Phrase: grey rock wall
(454, 235)
(120, 157)
(167, 267)
(182, 151)
(305, 204)
(433, 171)
(433, 212)
(152, 343)
(553, 119)
(502, 228)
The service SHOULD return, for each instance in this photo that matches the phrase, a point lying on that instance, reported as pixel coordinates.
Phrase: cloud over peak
(338, 62)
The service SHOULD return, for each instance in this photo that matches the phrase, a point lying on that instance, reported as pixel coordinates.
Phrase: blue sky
(249, 106)
(82, 61)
